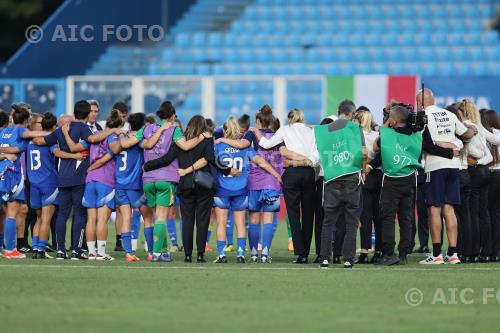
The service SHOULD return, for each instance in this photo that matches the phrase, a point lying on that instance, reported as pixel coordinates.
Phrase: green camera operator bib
(400, 152)
(340, 151)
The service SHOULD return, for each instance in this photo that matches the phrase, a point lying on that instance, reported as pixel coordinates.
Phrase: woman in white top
(298, 182)
(370, 193)
(464, 241)
(493, 125)
(479, 158)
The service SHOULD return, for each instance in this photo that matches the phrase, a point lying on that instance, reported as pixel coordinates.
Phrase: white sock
(101, 247)
(91, 246)
(134, 245)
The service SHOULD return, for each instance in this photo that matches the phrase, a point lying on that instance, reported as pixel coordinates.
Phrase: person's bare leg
(103, 214)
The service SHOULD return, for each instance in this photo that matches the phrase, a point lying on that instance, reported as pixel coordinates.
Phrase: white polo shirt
(443, 126)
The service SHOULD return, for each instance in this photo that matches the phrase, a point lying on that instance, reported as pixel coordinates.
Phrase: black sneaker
(50, 249)
(78, 256)
(423, 249)
(403, 260)
(323, 263)
(221, 260)
(388, 261)
(317, 260)
(188, 259)
(375, 258)
(336, 260)
(42, 255)
(348, 264)
(240, 260)
(301, 260)
(362, 259)
(200, 258)
(34, 255)
(25, 249)
(61, 255)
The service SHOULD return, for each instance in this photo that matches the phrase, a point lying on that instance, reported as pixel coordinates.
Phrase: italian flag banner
(372, 91)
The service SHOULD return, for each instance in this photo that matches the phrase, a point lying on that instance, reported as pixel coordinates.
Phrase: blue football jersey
(234, 158)
(129, 168)
(12, 137)
(41, 164)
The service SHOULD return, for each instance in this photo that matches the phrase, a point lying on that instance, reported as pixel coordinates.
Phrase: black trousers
(421, 224)
(342, 200)
(494, 203)
(397, 196)
(370, 197)
(340, 230)
(319, 214)
(299, 189)
(464, 239)
(480, 217)
(196, 205)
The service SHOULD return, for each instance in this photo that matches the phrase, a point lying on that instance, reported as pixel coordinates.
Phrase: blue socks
(253, 237)
(35, 243)
(221, 248)
(267, 238)
(10, 233)
(42, 245)
(241, 246)
(127, 242)
(172, 231)
(135, 224)
(148, 235)
(230, 228)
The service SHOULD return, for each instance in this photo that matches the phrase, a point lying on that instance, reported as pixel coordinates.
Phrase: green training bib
(400, 152)
(340, 151)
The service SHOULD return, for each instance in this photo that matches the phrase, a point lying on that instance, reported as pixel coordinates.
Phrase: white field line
(268, 268)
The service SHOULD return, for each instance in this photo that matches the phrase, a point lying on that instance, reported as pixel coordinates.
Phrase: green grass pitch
(68, 296)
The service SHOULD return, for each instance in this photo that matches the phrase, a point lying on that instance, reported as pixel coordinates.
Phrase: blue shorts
(98, 195)
(42, 195)
(19, 195)
(442, 187)
(134, 198)
(234, 203)
(255, 205)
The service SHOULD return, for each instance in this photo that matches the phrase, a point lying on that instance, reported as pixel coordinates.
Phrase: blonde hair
(295, 116)
(470, 111)
(231, 128)
(365, 120)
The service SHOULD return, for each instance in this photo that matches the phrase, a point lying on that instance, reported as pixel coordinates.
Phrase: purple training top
(168, 173)
(260, 179)
(106, 173)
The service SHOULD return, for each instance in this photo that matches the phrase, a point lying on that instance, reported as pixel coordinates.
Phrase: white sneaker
(254, 258)
(431, 260)
(104, 257)
(452, 260)
(266, 259)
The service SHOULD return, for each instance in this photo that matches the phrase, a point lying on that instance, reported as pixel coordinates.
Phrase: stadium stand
(312, 37)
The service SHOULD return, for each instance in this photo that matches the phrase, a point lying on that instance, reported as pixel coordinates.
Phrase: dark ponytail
(114, 120)
(265, 116)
